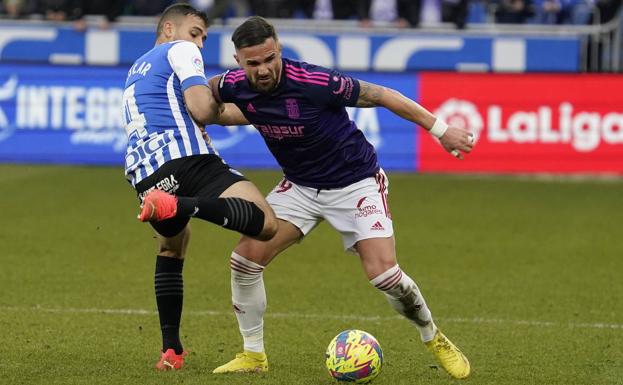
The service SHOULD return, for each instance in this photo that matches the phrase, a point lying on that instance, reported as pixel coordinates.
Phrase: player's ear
(168, 29)
(237, 59)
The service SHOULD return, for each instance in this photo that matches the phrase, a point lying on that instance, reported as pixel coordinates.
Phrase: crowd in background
(399, 13)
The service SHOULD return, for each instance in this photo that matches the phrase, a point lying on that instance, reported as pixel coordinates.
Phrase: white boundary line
(214, 313)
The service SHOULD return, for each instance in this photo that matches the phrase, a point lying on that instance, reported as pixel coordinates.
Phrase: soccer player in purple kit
(331, 173)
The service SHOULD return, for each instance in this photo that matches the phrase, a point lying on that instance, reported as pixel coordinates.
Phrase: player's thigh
(296, 205)
(377, 255)
(359, 211)
(297, 215)
(174, 246)
(247, 190)
(263, 252)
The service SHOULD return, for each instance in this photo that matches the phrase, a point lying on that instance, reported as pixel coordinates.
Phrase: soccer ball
(354, 356)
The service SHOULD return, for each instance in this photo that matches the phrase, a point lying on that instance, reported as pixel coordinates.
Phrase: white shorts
(358, 211)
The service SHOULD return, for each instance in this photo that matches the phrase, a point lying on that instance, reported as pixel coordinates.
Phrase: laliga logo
(7, 92)
(462, 114)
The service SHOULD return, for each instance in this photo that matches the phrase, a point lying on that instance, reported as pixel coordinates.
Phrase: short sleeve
(226, 85)
(340, 90)
(187, 63)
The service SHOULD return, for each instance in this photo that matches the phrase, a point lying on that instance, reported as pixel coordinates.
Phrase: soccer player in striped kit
(331, 173)
(177, 174)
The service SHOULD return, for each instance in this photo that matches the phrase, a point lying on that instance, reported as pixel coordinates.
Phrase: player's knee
(245, 272)
(270, 226)
(170, 252)
(268, 221)
(175, 246)
(255, 251)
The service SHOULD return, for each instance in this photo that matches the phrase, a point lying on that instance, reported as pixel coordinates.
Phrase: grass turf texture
(525, 276)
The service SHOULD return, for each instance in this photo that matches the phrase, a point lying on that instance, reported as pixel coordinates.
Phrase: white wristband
(439, 128)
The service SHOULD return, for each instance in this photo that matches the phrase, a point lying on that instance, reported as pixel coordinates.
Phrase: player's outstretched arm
(228, 113)
(453, 139)
(201, 104)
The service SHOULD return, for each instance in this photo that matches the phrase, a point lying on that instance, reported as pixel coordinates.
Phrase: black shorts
(192, 176)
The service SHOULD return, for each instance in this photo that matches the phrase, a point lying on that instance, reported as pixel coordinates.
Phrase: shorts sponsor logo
(377, 226)
(168, 184)
(366, 207)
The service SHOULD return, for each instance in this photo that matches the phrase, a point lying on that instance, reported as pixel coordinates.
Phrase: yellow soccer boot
(245, 362)
(449, 356)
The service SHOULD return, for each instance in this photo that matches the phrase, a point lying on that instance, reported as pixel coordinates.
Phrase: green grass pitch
(526, 276)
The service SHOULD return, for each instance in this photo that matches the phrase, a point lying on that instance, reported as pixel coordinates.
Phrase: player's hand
(457, 141)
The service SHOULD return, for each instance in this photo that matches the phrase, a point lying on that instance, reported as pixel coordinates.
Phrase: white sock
(249, 300)
(405, 297)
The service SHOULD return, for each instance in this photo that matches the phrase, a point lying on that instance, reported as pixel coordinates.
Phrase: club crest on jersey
(293, 109)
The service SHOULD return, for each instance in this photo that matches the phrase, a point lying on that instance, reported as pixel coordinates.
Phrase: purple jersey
(305, 124)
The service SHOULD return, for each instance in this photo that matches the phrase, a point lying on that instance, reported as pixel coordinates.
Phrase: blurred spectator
(430, 11)
(404, 13)
(15, 8)
(283, 8)
(575, 11)
(111, 9)
(514, 11)
(323, 10)
(409, 13)
(370, 11)
(149, 7)
(271, 8)
(337, 9)
(221, 9)
(547, 11)
(304, 8)
(606, 10)
(62, 10)
(54, 10)
(454, 11)
(344, 9)
(563, 11)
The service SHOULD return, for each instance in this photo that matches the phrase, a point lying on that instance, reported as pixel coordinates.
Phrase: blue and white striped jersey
(158, 126)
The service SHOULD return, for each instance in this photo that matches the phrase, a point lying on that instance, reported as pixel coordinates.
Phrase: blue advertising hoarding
(413, 51)
(72, 114)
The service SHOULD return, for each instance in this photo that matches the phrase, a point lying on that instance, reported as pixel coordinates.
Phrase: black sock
(169, 287)
(231, 213)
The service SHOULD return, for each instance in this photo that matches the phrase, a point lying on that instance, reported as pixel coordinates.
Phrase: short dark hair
(255, 30)
(179, 10)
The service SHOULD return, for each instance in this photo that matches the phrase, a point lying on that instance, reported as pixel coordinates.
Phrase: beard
(265, 84)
